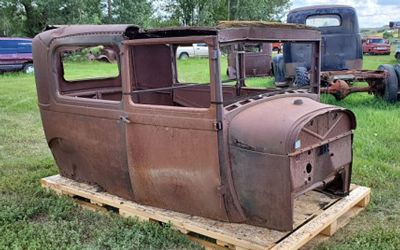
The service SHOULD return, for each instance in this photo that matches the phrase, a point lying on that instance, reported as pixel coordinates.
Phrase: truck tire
(398, 57)
(183, 56)
(301, 77)
(28, 68)
(391, 83)
(397, 70)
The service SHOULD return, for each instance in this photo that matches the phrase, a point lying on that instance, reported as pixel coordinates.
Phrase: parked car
(228, 152)
(376, 46)
(397, 53)
(197, 49)
(277, 47)
(103, 54)
(16, 54)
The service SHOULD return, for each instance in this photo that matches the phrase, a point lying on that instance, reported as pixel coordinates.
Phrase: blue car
(16, 55)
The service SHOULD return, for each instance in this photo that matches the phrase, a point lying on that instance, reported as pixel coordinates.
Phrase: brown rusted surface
(257, 60)
(226, 152)
(353, 75)
(340, 89)
(339, 82)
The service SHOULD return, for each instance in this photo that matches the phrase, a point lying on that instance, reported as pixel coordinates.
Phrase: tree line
(29, 17)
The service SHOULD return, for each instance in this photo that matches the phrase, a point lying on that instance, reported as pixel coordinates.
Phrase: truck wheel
(397, 70)
(28, 68)
(391, 83)
(301, 78)
(183, 55)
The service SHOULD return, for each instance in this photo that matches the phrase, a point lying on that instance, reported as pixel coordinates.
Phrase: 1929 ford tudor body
(217, 149)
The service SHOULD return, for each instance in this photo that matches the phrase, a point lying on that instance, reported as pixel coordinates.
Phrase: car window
(8, 46)
(85, 63)
(193, 70)
(89, 72)
(24, 46)
(161, 78)
(379, 41)
(255, 48)
(202, 45)
(323, 21)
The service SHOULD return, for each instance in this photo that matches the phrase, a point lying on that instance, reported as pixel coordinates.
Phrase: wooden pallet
(316, 217)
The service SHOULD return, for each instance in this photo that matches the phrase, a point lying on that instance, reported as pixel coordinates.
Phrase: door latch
(124, 119)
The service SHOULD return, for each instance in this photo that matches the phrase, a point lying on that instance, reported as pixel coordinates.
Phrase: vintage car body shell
(204, 150)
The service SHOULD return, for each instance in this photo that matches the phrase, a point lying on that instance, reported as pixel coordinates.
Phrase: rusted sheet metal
(229, 153)
(257, 60)
(353, 75)
(340, 89)
(339, 82)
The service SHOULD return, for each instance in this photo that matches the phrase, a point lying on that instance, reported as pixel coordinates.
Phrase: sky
(371, 13)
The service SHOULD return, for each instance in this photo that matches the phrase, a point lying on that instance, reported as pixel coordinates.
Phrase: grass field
(31, 218)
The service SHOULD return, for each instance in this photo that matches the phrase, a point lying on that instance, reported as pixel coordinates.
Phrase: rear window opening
(319, 21)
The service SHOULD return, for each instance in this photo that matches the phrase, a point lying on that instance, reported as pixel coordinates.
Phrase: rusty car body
(221, 151)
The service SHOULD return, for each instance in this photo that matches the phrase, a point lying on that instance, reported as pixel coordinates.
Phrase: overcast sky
(371, 13)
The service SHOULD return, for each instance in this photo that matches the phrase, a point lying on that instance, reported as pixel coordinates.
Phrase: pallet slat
(316, 216)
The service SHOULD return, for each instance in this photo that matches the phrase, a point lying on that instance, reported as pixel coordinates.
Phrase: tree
(208, 12)
(137, 12)
(387, 35)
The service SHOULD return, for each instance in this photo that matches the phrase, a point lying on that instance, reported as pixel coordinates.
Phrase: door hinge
(124, 119)
(218, 125)
(221, 190)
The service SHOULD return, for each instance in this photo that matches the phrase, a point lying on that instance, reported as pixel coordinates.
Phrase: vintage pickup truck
(341, 55)
(196, 49)
(215, 149)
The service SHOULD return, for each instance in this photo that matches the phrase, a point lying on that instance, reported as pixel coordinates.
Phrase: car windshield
(380, 41)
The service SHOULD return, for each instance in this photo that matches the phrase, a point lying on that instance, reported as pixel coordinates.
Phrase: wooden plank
(314, 227)
(310, 218)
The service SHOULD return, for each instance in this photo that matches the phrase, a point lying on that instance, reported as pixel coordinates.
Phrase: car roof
(228, 31)
(15, 38)
(53, 32)
(320, 7)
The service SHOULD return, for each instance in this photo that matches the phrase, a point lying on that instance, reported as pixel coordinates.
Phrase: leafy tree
(137, 12)
(387, 35)
(208, 12)
(28, 17)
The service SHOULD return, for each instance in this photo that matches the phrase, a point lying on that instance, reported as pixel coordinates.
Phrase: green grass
(196, 70)
(31, 218)
(89, 70)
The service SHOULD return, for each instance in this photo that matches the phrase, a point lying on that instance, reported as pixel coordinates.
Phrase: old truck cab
(341, 47)
(191, 143)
